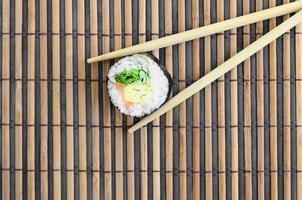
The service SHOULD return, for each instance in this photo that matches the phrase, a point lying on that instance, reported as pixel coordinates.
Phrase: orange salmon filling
(120, 87)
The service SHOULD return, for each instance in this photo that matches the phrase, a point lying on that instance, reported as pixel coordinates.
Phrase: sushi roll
(138, 84)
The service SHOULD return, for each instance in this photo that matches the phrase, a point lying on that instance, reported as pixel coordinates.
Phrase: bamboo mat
(60, 138)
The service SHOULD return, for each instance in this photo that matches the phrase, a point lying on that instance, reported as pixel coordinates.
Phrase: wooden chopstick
(202, 31)
(221, 69)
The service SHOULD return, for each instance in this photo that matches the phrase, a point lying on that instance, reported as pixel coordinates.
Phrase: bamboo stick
(260, 109)
(202, 31)
(118, 114)
(95, 102)
(5, 99)
(234, 107)
(143, 133)
(56, 99)
(182, 107)
(144, 164)
(82, 100)
(169, 115)
(156, 122)
(222, 69)
(69, 101)
(208, 108)
(286, 116)
(130, 137)
(247, 110)
(299, 108)
(221, 108)
(196, 107)
(273, 110)
(106, 105)
(18, 100)
(31, 101)
(43, 101)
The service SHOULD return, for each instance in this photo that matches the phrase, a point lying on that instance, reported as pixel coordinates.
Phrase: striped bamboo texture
(60, 138)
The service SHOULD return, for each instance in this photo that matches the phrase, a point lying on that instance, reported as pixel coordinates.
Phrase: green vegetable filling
(130, 76)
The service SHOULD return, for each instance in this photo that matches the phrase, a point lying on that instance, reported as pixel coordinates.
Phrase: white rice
(158, 82)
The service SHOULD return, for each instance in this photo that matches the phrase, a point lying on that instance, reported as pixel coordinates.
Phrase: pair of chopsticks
(202, 31)
(205, 31)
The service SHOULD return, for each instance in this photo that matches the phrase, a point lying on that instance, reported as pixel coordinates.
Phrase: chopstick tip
(89, 60)
(130, 130)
